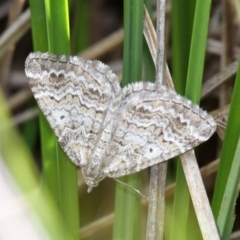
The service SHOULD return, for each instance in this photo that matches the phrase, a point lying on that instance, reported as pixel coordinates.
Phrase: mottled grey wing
(76, 96)
(153, 126)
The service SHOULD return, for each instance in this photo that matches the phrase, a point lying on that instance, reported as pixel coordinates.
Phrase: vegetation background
(202, 44)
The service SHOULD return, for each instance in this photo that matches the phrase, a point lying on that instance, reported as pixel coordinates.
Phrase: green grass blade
(226, 213)
(227, 176)
(58, 26)
(40, 43)
(149, 68)
(65, 190)
(182, 21)
(193, 89)
(179, 223)
(127, 204)
(133, 38)
(43, 206)
(60, 175)
(197, 51)
(39, 28)
(79, 31)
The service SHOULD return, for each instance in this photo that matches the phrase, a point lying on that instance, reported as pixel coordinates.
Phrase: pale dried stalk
(158, 173)
(205, 172)
(161, 174)
(151, 39)
(20, 26)
(25, 116)
(155, 188)
(218, 79)
(199, 196)
(235, 235)
(156, 204)
(195, 183)
(215, 47)
(161, 62)
(19, 98)
(108, 43)
(97, 226)
(103, 46)
(5, 62)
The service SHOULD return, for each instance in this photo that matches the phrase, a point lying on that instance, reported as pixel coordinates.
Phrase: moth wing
(153, 126)
(75, 96)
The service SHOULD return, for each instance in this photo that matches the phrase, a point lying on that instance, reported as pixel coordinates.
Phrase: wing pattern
(153, 126)
(109, 131)
(76, 96)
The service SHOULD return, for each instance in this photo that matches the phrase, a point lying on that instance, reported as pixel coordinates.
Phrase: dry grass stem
(215, 47)
(97, 226)
(158, 173)
(218, 79)
(199, 196)
(5, 62)
(26, 116)
(105, 45)
(19, 98)
(12, 34)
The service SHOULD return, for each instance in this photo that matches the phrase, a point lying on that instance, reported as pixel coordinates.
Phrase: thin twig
(26, 116)
(96, 226)
(199, 196)
(5, 62)
(158, 172)
(215, 47)
(103, 46)
(19, 98)
(161, 169)
(160, 64)
(218, 79)
(20, 26)
(156, 194)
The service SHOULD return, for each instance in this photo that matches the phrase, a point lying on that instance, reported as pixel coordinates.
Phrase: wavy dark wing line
(76, 96)
(153, 126)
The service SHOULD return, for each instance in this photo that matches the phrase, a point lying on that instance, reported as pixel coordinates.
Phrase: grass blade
(227, 176)
(127, 202)
(60, 175)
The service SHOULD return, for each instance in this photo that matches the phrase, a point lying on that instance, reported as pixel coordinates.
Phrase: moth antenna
(221, 121)
(134, 189)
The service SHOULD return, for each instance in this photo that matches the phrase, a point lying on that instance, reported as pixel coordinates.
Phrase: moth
(107, 130)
